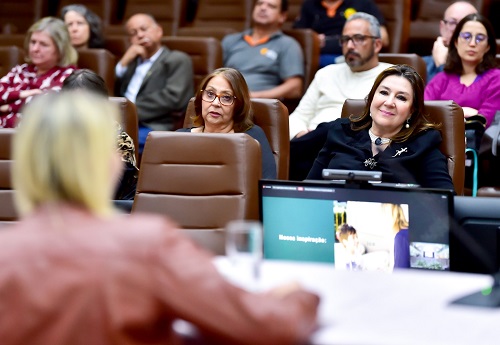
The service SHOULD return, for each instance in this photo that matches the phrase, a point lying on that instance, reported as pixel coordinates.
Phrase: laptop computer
(305, 221)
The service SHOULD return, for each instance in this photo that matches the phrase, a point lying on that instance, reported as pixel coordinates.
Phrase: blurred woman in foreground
(84, 274)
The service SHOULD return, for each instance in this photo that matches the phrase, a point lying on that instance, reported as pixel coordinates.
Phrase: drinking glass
(244, 251)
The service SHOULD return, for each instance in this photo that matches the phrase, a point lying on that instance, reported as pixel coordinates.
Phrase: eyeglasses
(356, 39)
(467, 37)
(452, 24)
(209, 96)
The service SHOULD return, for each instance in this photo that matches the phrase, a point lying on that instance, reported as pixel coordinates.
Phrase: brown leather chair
(117, 44)
(424, 28)
(168, 13)
(294, 7)
(8, 212)
(205, 53)
(16, 16)
(309, 42)
(235, 14)
(12, 40)
(218, 32)
(272, 116)
(202, 181)
(10, 57)
(129, 120)
(397, 17)
(100, 61)
(413, 60)
(451, 116)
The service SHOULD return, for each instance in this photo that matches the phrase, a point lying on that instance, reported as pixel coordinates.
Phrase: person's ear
(377, 45)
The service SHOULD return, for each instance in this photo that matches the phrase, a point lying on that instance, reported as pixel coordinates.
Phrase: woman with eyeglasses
(470, 77)
(222, 105)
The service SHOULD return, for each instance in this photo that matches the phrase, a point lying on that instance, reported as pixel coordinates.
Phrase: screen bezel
(364, 186)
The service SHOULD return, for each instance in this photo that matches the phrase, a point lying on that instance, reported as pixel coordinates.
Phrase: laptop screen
(373, 227)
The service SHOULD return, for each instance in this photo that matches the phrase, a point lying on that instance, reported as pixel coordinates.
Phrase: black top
(268, 162)
(313, 16)
(417, 160)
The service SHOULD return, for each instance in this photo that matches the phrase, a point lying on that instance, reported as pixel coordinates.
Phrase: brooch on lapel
(399, 152)
(370, 162)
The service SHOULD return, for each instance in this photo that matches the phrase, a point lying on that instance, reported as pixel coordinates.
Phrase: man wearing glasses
(332, 85)
(453, 14)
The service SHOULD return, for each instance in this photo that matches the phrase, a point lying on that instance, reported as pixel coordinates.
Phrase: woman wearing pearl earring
(392, 135)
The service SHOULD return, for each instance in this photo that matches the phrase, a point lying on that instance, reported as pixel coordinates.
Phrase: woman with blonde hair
(85, 274)
(51, 59)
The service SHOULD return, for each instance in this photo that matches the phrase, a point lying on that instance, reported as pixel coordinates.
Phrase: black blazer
(417, 160)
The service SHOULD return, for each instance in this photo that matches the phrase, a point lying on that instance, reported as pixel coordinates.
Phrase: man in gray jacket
(158, 80)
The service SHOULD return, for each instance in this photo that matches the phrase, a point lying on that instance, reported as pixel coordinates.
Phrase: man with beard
(332, 85)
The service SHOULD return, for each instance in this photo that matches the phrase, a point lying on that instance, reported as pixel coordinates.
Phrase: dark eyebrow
(400, 92)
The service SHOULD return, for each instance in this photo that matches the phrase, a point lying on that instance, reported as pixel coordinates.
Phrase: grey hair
(374, 23)
(96, 39)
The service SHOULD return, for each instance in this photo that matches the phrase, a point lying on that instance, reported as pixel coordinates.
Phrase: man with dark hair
(158, 80)
(271, 62)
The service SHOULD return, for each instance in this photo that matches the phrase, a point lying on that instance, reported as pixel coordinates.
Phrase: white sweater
(324, 98)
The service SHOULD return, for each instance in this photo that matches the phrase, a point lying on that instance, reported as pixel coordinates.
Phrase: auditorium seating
(450, 116)
(205, 53)
(235, 14)
(202, 181)
(8, 212)
(12, 40)
(168, 13)
(100, 61)
(16, 16)
(412, 60)
(272, 116)
(309, 42)
(397, 16)
(10, 57)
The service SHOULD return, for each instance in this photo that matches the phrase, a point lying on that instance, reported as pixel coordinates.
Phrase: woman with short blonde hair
(63, 153)
(50, 59)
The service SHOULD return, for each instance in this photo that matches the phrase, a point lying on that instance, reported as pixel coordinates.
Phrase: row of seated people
(348, 42)
(412, 25)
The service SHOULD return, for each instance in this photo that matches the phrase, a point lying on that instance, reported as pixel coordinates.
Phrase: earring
(407, 123)
(370, 114)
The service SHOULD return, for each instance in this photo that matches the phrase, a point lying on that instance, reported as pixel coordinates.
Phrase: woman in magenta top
(470, 77)
(50, 60)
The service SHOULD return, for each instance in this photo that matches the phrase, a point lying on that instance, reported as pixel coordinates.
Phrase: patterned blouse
(24, 77)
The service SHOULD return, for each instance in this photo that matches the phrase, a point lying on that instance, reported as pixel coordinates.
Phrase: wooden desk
(405, 307)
